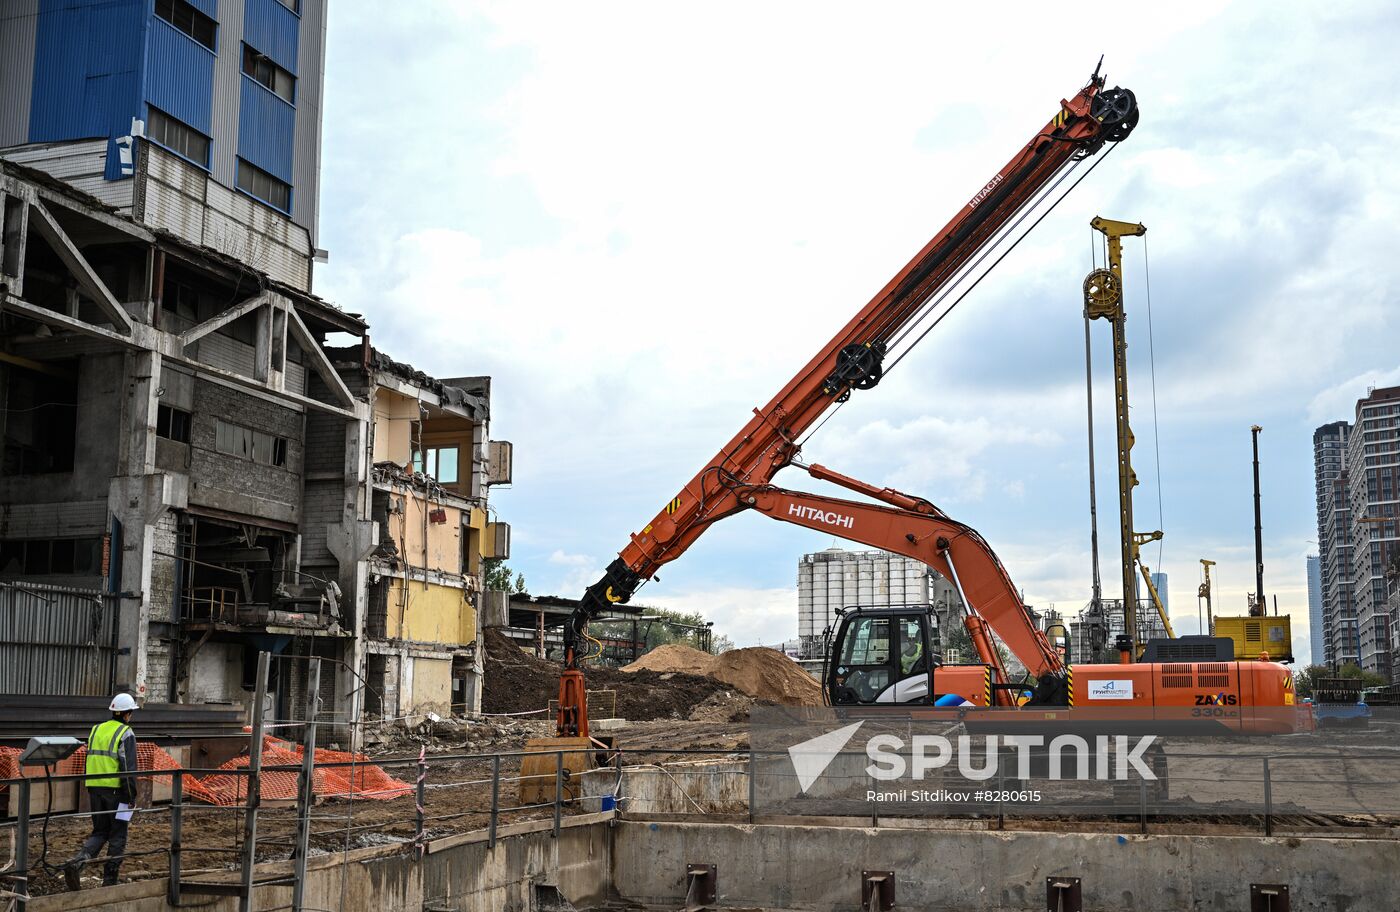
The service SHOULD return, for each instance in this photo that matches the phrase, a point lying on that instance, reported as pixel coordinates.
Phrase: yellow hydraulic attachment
(1140, 539)
(1204, 592)
(1103, 299)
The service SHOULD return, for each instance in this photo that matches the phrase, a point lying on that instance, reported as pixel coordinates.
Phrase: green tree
(499, 576)
(1306, 680)
(1367, 678)
(660, 627)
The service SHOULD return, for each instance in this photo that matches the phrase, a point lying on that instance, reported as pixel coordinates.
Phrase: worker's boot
(73, 870)
(109, 876)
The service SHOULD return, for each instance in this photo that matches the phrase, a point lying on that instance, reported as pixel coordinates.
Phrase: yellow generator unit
(1256, 636)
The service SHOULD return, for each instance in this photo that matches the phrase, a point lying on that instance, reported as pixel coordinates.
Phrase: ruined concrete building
(190, 473)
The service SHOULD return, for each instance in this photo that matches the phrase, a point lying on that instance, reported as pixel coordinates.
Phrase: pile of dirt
(517, 682)
(764, 674)
(768, 675)
(674, 657)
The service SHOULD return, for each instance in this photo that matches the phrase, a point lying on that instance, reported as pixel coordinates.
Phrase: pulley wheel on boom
(857, 367)
(1102, 292)
(1117, 110)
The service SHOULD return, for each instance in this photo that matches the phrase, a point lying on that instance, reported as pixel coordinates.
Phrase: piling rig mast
(856, 358)
(1103, 300)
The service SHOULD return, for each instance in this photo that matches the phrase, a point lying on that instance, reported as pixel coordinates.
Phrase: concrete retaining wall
(693, 787)
(458, 873)
(813, 868)
(819, 868)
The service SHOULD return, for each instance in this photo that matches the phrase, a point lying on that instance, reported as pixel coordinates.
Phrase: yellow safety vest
(104, 754)
(907, 662)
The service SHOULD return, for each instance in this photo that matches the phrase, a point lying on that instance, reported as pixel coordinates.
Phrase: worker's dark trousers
(106, 828)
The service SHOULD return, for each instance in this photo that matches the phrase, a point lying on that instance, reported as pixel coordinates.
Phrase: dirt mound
(767, 675)
(517, 682)
(674, 657)
(764, 674)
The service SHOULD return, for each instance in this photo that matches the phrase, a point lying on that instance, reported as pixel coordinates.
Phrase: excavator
(866, 665)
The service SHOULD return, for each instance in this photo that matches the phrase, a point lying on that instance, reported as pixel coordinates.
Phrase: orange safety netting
(363, 780)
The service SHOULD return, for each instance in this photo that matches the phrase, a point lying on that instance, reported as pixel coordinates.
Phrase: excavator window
(864, 669)
(881, 658)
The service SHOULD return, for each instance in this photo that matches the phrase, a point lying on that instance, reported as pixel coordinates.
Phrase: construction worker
(913, 649)
(111, 749)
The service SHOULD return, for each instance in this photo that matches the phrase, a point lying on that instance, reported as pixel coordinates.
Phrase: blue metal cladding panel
(87, 68)
(209, 8)
(270, 28)
(179, 75)
(266, 130)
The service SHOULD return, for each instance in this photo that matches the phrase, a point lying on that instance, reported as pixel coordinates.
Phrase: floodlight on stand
(48, 750)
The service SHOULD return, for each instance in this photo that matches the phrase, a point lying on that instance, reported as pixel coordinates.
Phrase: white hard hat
(123, 702)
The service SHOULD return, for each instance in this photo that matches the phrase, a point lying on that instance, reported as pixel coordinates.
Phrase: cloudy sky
(641, 220)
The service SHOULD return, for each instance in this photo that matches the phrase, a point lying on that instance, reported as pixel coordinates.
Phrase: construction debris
(764, 674)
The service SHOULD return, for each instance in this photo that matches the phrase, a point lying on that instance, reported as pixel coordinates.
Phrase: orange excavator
(867, 665)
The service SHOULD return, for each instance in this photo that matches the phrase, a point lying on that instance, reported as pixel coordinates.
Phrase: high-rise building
(1159, 582)
(1373, 487)
(1339, 629)
(1315, 625)
(197, 117)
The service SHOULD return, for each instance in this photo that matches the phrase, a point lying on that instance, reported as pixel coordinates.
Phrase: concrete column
(351, 541)
(137, 497)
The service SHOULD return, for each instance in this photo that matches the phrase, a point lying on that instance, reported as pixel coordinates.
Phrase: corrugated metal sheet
(228, 79)
(53, 520)
(87, 76)
(179, 75)
(80, 163)
(210, 8)
(18, 22)
(295, 381)
(306, 169)
(176, 212)
(266, 130)
(182, 199)
(226, 353)
(272, 29)
(56, 640)
(274, 243)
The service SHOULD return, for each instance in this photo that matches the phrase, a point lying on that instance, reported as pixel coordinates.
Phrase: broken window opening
(40, 420)
(246, 443)
(51, 556)
(173, 424)
(189, 20)
(268, 74)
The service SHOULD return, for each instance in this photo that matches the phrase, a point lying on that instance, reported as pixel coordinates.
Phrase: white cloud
(749, 617)
(1338, 402)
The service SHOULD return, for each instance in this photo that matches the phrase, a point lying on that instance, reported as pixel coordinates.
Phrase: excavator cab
(883, 655)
